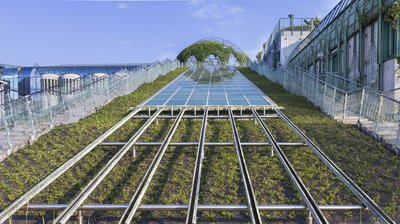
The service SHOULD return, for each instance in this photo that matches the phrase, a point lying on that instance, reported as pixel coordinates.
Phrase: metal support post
(361, 105)
(33, 132)
(309, 218)
(344, 107)
(378, 118)
(333, 103)
(133, 152)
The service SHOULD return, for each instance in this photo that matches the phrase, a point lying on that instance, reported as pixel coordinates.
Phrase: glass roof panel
(210, 85)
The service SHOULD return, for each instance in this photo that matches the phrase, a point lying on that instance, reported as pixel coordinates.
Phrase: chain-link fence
(377, 113)
(25, 119)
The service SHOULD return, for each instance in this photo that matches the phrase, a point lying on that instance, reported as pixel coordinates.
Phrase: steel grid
(305, 194)
(91, 186)
(22, 200)
(357, 191)
(135, 205)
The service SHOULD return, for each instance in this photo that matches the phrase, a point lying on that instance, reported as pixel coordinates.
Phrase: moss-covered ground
(374, 168)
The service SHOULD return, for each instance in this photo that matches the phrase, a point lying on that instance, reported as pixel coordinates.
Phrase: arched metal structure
(222, 41)
(234, 59)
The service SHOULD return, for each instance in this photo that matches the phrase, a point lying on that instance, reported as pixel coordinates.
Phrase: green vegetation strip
(28, 166)
(367, 162)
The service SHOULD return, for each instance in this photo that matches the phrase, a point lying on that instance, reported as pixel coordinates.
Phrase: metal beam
(17, 204)
(205, 144)
(361, 195)
(184, 207)
(305, 194)
(251, 198)
(91, 186)
(194, 193)
(141, 190)
(209, 116)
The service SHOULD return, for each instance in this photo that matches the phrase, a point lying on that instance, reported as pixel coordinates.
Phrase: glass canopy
(210, 86)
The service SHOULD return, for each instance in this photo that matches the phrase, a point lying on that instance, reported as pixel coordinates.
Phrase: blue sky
(50, 32)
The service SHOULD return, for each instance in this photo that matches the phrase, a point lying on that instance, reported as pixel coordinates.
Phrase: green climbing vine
(201, 50)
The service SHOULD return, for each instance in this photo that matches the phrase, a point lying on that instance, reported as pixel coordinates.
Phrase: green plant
(201, 50)
(392, 14)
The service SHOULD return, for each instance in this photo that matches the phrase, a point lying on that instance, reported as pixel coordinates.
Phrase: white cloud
(122, 5)
(125, 42)
(221, 13)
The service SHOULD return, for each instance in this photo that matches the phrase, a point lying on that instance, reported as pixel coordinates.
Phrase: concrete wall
(289, 41)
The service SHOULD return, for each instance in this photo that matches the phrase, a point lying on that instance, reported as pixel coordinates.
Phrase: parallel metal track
(209, 116)
(184, 207)
(141, 190)
(251, 198)
(305, 194)
(91, 186)
(369, 203)
(205, 143)
(194, 193)
(21, 201)
(193, 207)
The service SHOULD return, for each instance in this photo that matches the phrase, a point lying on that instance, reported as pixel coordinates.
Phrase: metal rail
(361, 195)
(141, 190)
(205, 143)
(305, 194)
(22, 200)
(251, 198)
(209, 116)
(184, 207)
(91, 186)
(194, 193)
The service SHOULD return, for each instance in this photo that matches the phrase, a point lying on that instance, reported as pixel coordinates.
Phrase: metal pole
(195, 191)
(333, 103)
(206, 144)
(379, 114)
(141, 189)
(344, 107)
(361, 105)
(18, 203)
(357, 191)
(251, 199)
(184, 207)
(91, 186)
(305, 194)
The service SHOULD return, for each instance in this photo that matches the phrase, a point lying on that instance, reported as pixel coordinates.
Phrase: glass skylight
(210, 86)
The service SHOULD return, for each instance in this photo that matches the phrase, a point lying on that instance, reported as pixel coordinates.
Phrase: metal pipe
(144, 184)
(250, 195)
(184, 207)
(201, 116)
(357, 191)
(91, 186)
(205, 144)
(21, 201)
(195, 190)
(305, 194)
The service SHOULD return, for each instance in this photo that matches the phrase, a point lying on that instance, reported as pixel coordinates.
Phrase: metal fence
(375, 112)
(23, 120)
